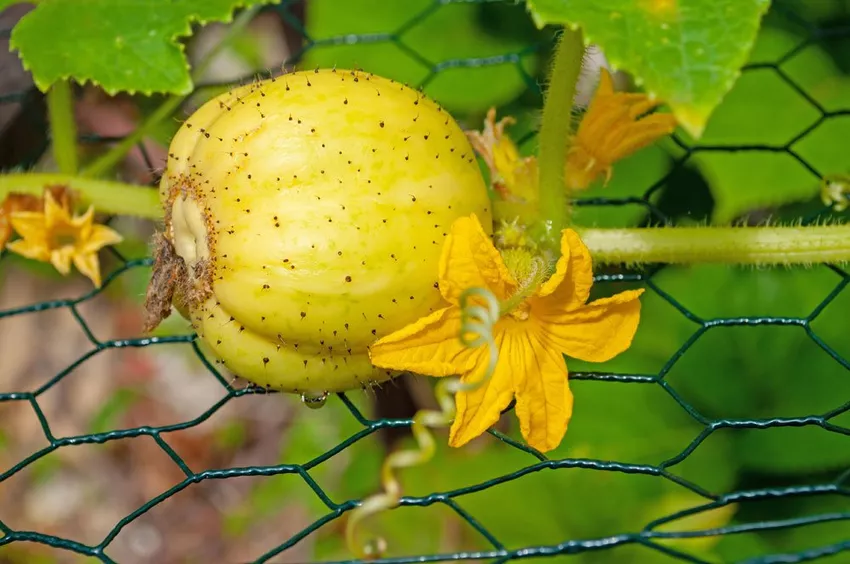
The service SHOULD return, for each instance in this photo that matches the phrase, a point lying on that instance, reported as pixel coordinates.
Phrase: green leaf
(755, 371)
(120, 45)
(763, 108)
(687, 53)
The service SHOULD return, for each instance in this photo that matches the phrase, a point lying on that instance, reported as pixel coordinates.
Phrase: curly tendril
(477, 322)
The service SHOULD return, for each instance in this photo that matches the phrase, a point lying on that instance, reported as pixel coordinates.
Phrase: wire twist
(477, 323)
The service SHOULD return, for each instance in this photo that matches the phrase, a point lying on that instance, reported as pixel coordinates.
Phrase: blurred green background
(759, 160)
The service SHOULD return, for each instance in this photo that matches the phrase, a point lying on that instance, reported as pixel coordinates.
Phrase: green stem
(555, 131)
(63, 126)
(671, 245)
(108, 160)
(239, 23)
(107, 197)
(729, 245)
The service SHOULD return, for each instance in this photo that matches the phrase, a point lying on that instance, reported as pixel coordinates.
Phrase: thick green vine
(116, 198)
(729, 245)
(555, 132)
(63, 126)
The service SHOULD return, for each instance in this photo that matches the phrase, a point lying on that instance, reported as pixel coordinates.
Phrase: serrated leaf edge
(696, 132)
(187, 32)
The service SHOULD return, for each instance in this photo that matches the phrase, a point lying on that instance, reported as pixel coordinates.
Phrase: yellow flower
(614, 126)
(55, 236)
(12, 203)
(510, 174)
(554, 320)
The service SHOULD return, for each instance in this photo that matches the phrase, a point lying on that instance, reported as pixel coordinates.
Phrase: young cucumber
(304, 219)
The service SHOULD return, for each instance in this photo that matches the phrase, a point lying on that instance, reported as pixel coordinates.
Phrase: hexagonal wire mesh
(649, 536)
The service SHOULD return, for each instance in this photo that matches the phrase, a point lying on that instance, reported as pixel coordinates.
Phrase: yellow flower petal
(5, 229)
(569, 287)
(505, 153)
(527, 369)
(61, 258)
(12, 203)
(83, 224)
(642, 104)
(544, 402)
(614, 126)
(89, 266)
(645, 133)
(101, 236)
(596, 332)
(54, 212)
(29, 225)
(606, 84)
(603, 111)
(516, 175)
(469, 259)
(29, 249)
(480, 409)
(525, 176)
(429, 346)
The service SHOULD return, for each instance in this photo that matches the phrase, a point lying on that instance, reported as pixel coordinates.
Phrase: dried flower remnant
(546, 317)
(615, 126)
(168, 272)
(58, 236)
(511, 175)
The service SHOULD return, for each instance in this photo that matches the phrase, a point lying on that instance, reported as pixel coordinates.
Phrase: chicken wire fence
(649, 536)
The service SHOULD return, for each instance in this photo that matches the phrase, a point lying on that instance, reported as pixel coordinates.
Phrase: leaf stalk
(555, 133)
(63, 126)
(110, 197)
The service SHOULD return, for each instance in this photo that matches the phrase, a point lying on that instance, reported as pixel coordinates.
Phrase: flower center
(63, 236)
(521, 311)
(529, 270)
(521, 263)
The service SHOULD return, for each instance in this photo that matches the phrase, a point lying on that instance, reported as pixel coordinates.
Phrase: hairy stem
(555, 131)
(729, 245)
(63, 126)
(106, 196)
(672, 245)
(108, 160)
